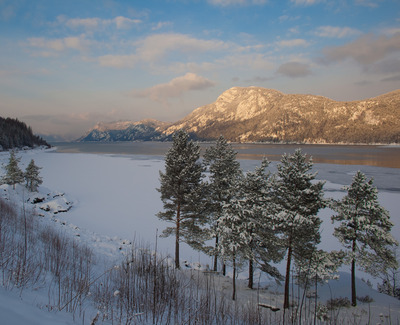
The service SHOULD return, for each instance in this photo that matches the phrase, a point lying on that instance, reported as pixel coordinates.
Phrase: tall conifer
(14, 174)
(297, 200)
(224, 171)
(181, 192)
(364, 229)
(32, 177)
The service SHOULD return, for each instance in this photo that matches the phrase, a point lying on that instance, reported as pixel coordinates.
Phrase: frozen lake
(115, 194)
(372, 155)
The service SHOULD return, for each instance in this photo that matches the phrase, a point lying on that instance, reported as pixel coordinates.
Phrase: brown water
(371, 155)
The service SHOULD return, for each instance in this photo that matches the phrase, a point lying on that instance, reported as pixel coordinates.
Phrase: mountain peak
(246, 114)
(255, 114)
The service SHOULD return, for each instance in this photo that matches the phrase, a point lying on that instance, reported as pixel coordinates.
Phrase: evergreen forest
(16, 134)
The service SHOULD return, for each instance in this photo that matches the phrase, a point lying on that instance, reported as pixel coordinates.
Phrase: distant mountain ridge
(145, 130)
(254, 114)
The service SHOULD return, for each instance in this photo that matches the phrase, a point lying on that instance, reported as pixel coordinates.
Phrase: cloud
(336, 32)
(294, 69)
(118, 61)
(95, 23)
(365, 50)
(391, 31)
(225, 3)
(175, 88)
(70, 125)
(11, 73)
(125, 23)
(387, 66)
(50, 46)
(392, 78)
(87, 23)
(305, 2)
(293, 43)
(368, 3)
(158, 46)
(161, 24)
(258, 79)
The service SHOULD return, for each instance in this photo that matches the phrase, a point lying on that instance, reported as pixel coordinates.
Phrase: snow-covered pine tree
(32, 176)
(235, 235)
(297, 200)
(264, 243)
(181, 192)
(224, 171)
(14, 175)
(364, 229)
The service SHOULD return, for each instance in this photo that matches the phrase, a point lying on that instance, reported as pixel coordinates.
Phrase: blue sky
(66, 65)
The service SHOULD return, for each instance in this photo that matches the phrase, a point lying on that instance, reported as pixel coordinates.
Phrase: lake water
(334, 163)
(378, 156)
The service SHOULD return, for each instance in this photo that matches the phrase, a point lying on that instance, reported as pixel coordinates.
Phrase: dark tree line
(16, 134)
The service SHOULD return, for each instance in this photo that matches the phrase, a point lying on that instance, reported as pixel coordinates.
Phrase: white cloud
(336, 32)
(294, 69)
(161, 25)
(175, 88)
(304, 2)
(293, 43)
(95, 23)
(53, 46)
(225, 3)
(88, 23)
(368, 3)
(125, 23)
(158, 46)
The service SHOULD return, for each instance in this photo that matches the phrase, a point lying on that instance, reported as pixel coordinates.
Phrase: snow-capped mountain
(145, 130)
(258, 114)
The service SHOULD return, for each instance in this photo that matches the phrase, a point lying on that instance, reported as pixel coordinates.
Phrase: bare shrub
(339, 302)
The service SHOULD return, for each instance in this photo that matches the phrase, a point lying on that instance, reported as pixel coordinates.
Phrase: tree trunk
(287, 278)
(251, 273)
(215, 268)
(178, 224)
(353, 277)
(234, 280)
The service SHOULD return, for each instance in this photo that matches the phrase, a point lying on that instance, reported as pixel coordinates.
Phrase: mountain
(145, 130)
(259, 114)
(255, 114)
(16, 134)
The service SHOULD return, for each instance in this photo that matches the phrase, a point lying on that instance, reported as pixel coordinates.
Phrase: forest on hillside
(16, 134)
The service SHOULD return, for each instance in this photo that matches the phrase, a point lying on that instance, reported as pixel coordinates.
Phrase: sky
(67, 65)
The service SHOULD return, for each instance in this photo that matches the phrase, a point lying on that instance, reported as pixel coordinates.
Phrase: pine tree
(234, 231)
(297, 200)
(224, 171)
(264, 244)
(14, 174)
(32, 178)
(364, 229)
(181, 192)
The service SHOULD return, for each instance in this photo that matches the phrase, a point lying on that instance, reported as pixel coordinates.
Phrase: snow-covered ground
(110, 200)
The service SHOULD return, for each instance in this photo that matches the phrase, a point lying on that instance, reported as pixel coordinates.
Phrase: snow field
(110, 197)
